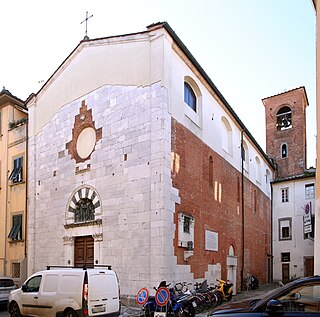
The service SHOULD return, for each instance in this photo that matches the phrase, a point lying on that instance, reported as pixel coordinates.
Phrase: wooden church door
(83, 251)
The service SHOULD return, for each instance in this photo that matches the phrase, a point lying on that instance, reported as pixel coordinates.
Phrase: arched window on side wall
(226, 135)
(268, 180)
(258, 170)
(245, 156)
(284, 150)
(190, 97)
(231, 250)
(211, 171)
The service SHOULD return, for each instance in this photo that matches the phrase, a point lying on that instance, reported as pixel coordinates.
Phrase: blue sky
(251, 49)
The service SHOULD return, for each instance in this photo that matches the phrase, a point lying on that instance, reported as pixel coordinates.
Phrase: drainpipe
(271, 246)
(242, 212)
(7, 197)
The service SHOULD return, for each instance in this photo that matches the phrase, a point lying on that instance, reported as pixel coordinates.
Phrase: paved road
(3, 311)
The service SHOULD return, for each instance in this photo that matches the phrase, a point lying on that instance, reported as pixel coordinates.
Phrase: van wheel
(70, 313)
(14, 310)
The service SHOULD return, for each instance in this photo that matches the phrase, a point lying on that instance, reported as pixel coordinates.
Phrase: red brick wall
(295, 137)
(225, 217)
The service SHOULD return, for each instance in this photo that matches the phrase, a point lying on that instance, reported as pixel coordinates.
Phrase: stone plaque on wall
(211, 241)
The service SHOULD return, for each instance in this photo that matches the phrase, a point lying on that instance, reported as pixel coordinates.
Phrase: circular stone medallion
(86, 142)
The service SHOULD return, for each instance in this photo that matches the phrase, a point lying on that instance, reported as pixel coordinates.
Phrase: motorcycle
(177, 306)
(254, 282)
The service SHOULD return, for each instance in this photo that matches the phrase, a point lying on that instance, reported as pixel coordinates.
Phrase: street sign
(162, 296)
(142, 296)
(307, 219)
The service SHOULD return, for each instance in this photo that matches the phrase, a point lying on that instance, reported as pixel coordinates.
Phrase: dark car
(298, 298)
(6, 286)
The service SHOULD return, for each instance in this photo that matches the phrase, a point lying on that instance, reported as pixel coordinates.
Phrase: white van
(67, 292)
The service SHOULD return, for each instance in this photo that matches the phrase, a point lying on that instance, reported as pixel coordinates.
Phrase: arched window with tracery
(84, 210)
(284, 118)
(84, 205)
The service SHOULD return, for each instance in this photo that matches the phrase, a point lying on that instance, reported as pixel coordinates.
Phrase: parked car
(6, 286)
(298, 298)
(67, 292)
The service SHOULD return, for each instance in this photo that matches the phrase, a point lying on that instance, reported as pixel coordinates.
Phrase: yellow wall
(3, 183)
(13, 196)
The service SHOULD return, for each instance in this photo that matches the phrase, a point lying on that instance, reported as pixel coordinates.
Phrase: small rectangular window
(285, 257)
(285, 229)
(16, 229)
(285, 232)
(16, 174)
(186, 224)
(285, 195)
(309, 191)
(238, 189)
(15, 270)
(255, 204)
(211, 171)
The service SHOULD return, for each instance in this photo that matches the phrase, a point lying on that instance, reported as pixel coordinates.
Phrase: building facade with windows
(137, 160)
(13, 186)
(293, 198)
(293, 226)
(316, 4)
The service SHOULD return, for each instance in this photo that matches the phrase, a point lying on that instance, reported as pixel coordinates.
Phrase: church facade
(137, 160)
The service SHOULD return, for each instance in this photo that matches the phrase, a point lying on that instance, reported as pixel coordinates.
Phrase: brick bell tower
(286, 131)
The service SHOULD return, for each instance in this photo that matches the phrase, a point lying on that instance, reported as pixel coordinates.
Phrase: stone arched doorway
(83, 227)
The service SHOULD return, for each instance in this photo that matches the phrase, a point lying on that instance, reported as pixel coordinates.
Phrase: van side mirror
(274, 305)
(24, 288)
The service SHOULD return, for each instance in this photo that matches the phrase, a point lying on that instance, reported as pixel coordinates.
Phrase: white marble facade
(129, 171)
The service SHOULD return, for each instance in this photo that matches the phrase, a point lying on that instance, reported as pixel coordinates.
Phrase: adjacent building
(13, 186)
(293, 188)
(316, 4)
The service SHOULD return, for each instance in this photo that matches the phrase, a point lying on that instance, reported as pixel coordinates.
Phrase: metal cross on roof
(86, 20)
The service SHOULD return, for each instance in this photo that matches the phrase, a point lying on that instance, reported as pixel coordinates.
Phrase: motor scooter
(225, 288)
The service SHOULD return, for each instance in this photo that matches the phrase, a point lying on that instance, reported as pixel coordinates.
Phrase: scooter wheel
(180, 313)
(189, 311)
(229, 296)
